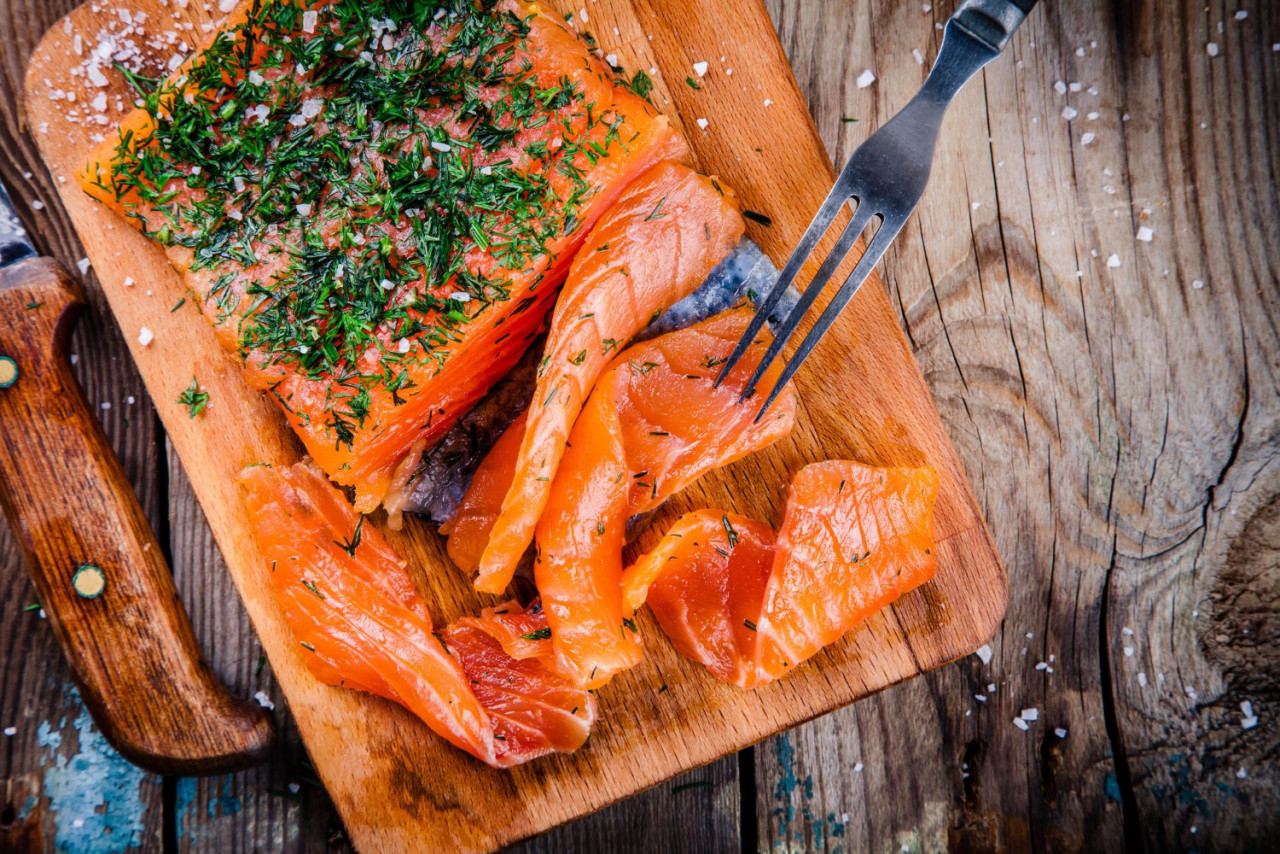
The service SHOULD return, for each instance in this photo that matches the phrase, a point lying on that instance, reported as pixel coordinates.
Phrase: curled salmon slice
(655, 423)
(360, 623)
(653, 246)
(705, 581)
(751, 606)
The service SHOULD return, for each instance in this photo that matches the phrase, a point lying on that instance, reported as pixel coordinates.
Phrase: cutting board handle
(100, 574)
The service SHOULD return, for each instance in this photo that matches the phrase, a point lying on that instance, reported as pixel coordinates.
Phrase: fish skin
(447, 469)
(655, 245)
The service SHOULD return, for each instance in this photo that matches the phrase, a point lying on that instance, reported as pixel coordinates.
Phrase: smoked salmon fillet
(360, 624)
(655, 245)
(654, 423)
(751, 606)
(375, 203)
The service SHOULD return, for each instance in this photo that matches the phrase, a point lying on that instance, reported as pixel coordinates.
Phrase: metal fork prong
(821, 222)
(787, 327)
(879, 244)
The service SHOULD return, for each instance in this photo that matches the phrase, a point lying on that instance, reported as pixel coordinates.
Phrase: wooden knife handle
(130, 647)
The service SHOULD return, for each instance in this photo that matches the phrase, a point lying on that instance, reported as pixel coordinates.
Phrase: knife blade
(99, 571)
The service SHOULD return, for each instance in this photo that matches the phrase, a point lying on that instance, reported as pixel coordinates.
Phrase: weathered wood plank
(696, 813)
(57, 770)
(1119, 425)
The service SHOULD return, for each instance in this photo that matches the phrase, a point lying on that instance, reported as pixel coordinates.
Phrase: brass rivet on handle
(89, 581)
(8, 372)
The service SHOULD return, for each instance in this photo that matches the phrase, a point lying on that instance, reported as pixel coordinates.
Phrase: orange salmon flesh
(374, 213)
(360, 624)
(751, 606)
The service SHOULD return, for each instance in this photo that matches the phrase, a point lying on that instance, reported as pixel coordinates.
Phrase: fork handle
(992, 22)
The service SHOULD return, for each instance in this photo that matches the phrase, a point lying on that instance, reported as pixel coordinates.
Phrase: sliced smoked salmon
(655, 245)
(654, 423)
(360, 624)
(375, 205)
(705, 581)
(750, 606)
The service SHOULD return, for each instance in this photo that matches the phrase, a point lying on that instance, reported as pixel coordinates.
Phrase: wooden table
(1113, 390)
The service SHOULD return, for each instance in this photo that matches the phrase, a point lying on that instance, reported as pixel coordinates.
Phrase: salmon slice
(360, 624)
(654, 423)
(655, 245)
(478, 512)
(706, 591)
(522, 631)
(374, 207)
(751, 606)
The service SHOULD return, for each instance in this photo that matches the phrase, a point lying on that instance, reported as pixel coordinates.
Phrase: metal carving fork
(885, 177)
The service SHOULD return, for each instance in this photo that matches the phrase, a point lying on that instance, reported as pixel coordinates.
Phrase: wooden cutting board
(398, 786)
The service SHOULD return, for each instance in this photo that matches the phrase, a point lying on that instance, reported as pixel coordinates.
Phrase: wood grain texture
(1118, 423)
(37, 697)
(369, 754)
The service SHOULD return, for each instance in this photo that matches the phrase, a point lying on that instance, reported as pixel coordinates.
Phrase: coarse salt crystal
(768, 102)
(857, 767)
(84, 265)
(1114, 261)
(1060, 732)
(1145, 233)
(1241, 773)
(1069, 112)
(1197, 284)
(106, 404)
(225, 6)
(1042, 665)
(304, 209)
(145, 336)
(984, 652)
(1030, 714)
(37, 205)
(441, 146)
(310, 18)
(915, 51)
(404, 345)
(1020, 724)
(991, 688)
(1060, 87)
(981, 698)
(612, 59)
(865, 79)
(1142, 679)
(702, 123)
(1079, 51)
(460, 296)
(238, 182)
(263, 700)
(1092, 116)
(700, 68)
(1075, 86)
(96, 77)
(10, 731)
(1212, 48)
(99, 102)
(1087, 138)
(128, 281)
(256, 78)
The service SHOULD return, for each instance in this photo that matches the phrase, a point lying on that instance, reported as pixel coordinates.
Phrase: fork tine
(879, 244)
(787, 327)
(821, 222)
